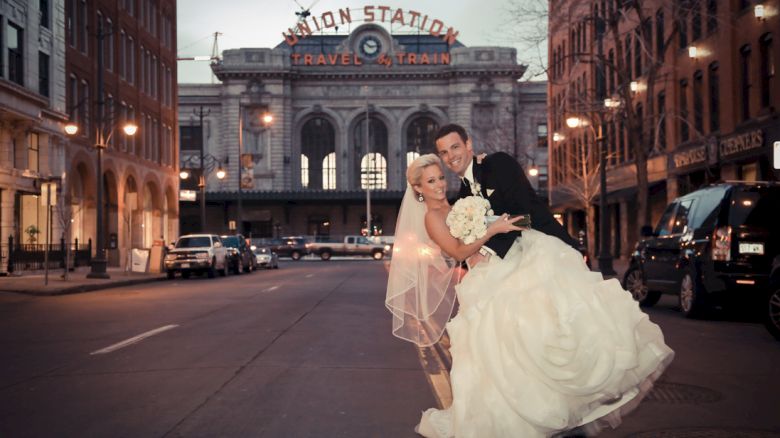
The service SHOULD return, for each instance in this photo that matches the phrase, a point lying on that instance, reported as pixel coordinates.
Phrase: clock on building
(370, 46)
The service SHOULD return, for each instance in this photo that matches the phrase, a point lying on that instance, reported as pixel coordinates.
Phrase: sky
(260, 23)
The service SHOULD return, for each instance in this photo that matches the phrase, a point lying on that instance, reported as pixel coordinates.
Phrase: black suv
(239, 254)
(710, 247)
(293, 247)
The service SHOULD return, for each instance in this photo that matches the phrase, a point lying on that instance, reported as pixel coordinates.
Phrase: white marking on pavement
(272, 288)
(134, 339)
(309, 275)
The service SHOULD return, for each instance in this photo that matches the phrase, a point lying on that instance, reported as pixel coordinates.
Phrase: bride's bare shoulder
(436, 214)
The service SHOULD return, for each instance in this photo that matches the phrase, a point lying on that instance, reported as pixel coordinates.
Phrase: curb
(84, 287)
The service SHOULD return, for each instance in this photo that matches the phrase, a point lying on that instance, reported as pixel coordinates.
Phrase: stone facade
(32, 114)
(306, 171)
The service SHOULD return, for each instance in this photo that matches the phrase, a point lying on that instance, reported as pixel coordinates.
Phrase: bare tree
(612, 25)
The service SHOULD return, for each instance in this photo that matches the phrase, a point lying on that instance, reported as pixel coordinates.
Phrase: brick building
(140, 173)
(706, 111)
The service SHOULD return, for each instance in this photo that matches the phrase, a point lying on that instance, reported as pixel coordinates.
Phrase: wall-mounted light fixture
(758, 11)
(693, 52)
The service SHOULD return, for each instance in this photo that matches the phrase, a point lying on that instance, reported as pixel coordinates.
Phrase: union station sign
(371, 47)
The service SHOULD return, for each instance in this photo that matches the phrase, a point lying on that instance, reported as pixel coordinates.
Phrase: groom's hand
(476, 258)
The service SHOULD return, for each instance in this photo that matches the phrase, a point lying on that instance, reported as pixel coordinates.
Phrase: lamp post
(206, 164)
(369, 174)
(201, 182)
(265, 119)
(574, 122)
(102, 139)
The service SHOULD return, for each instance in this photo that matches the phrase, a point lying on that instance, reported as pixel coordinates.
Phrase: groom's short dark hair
(449, 129)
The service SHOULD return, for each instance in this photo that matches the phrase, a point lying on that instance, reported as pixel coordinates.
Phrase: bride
(540, 344)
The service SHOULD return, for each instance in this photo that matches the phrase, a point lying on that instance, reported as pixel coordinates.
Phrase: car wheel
(185, 274)
(325, 255)
(377, 255)
(634, 283)
(295, 255)
(772, 309)
(170, 274)
(692, 300)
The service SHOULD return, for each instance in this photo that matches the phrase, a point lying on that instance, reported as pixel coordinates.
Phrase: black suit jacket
(512, 193)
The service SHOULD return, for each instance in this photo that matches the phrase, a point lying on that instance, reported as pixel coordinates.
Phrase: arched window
(304, 171)
(329, 171)
(411, 156)
(318, 141)
(372, 165)
(373, 171)
(420, 138)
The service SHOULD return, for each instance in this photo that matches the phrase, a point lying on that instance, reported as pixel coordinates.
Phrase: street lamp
(102, 140)
(207, 163)
(266, 120)
(605, 256)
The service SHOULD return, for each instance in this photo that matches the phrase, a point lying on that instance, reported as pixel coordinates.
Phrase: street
(306, 350)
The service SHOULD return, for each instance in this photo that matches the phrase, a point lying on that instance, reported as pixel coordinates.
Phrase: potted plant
(32, 231)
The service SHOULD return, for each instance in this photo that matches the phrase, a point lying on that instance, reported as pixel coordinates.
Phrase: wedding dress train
(541, 345)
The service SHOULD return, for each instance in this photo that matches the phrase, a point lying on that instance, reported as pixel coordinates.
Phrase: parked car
(712, 247)
(772, 304)
(351, 245)
(292, 246)
(197, 253)
(266, 258)
(240, 255)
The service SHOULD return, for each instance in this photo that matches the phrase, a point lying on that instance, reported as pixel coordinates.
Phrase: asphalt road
(306, 351)
(303, 351)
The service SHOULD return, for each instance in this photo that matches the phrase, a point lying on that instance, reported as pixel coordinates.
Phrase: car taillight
(721, 244)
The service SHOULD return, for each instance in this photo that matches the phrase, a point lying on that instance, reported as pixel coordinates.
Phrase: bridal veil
(421, 284)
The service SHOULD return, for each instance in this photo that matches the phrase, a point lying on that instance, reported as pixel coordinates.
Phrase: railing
(15, 257)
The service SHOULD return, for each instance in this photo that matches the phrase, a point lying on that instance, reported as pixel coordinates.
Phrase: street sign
(187, 195)
(777, 155)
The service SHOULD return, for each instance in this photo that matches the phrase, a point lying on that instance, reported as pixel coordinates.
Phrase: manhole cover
(706, 433)
(666, 392)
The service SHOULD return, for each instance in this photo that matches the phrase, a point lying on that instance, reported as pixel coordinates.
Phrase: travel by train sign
(371, 47)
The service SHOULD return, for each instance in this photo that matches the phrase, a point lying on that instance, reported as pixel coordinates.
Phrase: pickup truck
(351, 245)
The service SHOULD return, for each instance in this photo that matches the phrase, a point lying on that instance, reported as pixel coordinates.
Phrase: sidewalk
(32, 283)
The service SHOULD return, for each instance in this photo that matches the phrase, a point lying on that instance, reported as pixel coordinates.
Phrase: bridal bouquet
(466, 220)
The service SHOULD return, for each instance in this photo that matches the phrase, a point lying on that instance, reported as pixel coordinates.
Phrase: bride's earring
(419, 197)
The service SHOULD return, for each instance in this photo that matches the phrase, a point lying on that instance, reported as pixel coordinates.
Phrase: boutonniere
(476, 189)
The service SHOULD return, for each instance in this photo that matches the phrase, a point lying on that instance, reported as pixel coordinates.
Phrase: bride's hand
(481, 157)
(504, 224)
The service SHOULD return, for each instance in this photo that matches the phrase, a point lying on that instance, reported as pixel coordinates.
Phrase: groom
(502, 182)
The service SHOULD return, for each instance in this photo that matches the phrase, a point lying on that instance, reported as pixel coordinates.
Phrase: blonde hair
(415, 170)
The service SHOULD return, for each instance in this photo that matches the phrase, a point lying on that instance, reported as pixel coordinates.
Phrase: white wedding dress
(542, 345)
